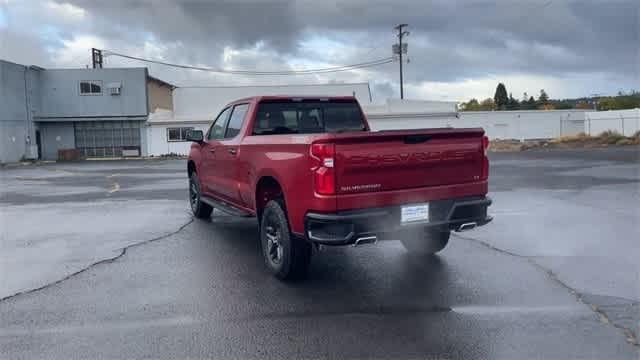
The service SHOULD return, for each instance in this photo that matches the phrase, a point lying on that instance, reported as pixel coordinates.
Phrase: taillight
(324, 177)
(485, 159)
(485, 144)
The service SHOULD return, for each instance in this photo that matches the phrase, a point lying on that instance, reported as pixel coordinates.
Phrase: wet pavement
(123, 271)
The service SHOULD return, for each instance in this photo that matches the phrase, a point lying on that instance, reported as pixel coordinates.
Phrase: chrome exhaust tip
(466, 226)
(365, 240)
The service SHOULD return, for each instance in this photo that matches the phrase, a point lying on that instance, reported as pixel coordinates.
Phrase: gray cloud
(449, 40)
(584, 36)
(384, 90)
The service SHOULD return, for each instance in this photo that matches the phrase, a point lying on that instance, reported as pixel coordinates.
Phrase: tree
(471, 105)
(562, 105)
(487, 104)
(543, 98)
(527, 103)
(584, 105)
(513, 103)
(500, 98)
(474, 105)
(620, 102)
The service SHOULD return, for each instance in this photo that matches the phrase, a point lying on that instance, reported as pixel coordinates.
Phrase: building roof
(162, 82)
(167, 117)
(207, 101)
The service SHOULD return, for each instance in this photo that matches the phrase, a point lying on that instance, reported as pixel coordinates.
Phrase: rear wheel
(426, 242)
(199, 209)
(286, 256)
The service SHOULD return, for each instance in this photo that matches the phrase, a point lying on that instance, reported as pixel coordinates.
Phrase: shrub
(573, 138)
(624, 141)
(609, 137)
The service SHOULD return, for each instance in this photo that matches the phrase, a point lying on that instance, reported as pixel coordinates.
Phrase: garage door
(108, 138)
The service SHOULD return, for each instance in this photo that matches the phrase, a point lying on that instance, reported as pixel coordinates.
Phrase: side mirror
(195, 136)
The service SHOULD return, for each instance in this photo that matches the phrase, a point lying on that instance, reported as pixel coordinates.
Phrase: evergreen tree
(543, 99)
(500, 99)
(513, 103)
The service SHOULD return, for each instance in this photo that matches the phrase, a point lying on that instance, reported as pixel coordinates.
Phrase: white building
(195, 108)
(208, 100)
(166, 134)
(397, 114)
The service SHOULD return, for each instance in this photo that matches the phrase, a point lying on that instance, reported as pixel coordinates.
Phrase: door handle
(212, 150)
(233, 151)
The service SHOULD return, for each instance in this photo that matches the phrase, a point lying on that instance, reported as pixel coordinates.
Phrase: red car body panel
(372, 169)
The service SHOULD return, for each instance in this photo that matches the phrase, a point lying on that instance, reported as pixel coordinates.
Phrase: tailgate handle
(416, 139)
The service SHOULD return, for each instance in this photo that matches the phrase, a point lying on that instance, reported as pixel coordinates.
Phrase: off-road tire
(290, 258)
(199, 209)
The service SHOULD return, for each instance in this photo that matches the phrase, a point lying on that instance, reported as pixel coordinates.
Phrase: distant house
(99, 112)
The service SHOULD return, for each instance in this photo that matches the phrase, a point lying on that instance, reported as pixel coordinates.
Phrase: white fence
(520, 125)
(625, 122)
(523, 125)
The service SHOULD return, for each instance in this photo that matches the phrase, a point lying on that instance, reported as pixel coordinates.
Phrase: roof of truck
(291, 97)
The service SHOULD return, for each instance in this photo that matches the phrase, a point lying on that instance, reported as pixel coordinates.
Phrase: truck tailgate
(394, 160)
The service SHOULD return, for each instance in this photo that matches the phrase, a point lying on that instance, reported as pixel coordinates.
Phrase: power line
(361, 65)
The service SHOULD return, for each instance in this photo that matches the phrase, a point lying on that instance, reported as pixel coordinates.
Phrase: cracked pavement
(103, 260)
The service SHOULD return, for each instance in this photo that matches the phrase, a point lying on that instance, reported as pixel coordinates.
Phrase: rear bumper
(344, 228)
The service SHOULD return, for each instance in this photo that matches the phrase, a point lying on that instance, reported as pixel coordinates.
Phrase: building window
(91, 87)
(178, 134)
(107, 138)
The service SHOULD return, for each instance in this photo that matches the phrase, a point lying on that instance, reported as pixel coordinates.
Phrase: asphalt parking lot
(103, 260)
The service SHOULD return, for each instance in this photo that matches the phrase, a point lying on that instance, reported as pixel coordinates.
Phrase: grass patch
(581, 140)
(571, 138)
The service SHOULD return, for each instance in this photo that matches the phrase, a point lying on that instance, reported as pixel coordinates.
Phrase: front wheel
(200, 209)
(426, 242)
(286, 256)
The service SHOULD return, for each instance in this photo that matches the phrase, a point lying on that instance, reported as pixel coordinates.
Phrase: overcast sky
(457, 49)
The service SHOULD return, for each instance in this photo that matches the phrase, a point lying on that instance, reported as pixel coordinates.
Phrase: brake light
(324, 178)
(485, 144)
(485, 159)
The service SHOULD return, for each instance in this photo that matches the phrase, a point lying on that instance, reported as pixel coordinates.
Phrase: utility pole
(96, 58)
(595, 98)
(399, 49)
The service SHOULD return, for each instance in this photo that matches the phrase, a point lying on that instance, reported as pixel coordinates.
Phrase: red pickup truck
(313, 173)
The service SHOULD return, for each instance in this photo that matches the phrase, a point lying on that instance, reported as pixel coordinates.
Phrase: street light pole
(401, 33)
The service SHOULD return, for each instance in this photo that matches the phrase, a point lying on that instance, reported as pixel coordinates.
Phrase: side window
(236, 120)
(219, 124)
(178, 134)
(91, 87)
